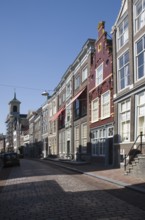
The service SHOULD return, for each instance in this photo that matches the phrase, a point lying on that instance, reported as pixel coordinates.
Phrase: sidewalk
(116, 176)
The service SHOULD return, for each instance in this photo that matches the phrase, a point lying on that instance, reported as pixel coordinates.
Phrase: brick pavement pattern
(38, 191)
(116, 176)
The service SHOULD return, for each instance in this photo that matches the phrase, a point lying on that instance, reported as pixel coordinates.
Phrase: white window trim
(68, 90)
(135, 57)
(98, 141)
(92, 110)
(108, 131)
(137, 113)
(98, 82)
(76, 138)
(76, 82)
(118, 36)
(120, 122)
(83, 137)
(136, 17)
(118, 76)
(84, 73)
(107, 116)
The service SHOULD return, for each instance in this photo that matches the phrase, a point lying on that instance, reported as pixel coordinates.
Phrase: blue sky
(39, 40)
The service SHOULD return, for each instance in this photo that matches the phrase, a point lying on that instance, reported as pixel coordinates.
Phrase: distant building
(45, 129)
(2, 143)
(71, 117)
(16, 123)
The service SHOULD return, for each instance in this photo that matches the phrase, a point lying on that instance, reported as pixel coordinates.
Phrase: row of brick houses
(98, 108)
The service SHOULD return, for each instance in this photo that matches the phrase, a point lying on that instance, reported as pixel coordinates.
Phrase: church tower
(14, 106)
(12, 121)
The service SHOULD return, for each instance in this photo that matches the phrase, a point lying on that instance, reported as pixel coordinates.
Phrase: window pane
(125, 120)
(143, 4)
(125, 24)
(105, 105)
(124, 74)
(84, 74)
(140, 59)
(142, 98)
(139, 46)
(99, 74)
(123, 32)
(141, 110)
(138, 8)
(121, 62)
(121, 29)
(140, 65)
(126, 58)
(95, 110)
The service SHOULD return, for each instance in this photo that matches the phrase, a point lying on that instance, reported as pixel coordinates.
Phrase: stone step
(136, 168)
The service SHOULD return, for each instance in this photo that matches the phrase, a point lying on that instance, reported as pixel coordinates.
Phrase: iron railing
(132, 154)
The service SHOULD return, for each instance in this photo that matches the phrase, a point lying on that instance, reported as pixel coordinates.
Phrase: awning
(76, 96)
(57, 114)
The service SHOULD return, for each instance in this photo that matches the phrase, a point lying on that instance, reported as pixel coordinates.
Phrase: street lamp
(45, 93)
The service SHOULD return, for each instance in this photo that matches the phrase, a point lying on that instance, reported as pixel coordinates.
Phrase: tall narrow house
(101, 100)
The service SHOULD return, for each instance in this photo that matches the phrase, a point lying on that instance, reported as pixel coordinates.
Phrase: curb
(119, 183)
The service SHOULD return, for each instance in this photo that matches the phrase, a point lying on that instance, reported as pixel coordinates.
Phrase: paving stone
(56, 194)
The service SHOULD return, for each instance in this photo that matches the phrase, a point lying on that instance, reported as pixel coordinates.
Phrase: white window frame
(95, 111)
(108, 133)
(84, 138)
(68, 90)
(84, 74)
(105, 105)
(98, 142)
(54, 127)
(62, 143)
(124, 120)
(138, 54)
(123, 36)
(125, 70)
(54, 107)
(77, 81)
(60, 100)
(50, 110)
(95, 142)
(139, 18)
(68, 114)
(50, 128)
(76, 137)
(140, 113)
(63, 97)
(99, 74)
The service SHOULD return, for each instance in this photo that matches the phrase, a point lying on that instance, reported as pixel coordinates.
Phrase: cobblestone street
(41, 191)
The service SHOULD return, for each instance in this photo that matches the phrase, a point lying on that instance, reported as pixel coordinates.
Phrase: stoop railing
(134, 151)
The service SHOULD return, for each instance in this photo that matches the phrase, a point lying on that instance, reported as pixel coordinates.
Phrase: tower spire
(14, 93)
